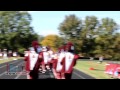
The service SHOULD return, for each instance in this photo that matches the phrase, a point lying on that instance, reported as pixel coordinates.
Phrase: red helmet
(35, 43)
(59, 49)
(70, 43)
(62, 48)
(69, 46)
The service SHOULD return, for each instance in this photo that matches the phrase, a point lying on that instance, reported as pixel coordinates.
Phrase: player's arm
(26, 57)
(63, 61)
(75, 59)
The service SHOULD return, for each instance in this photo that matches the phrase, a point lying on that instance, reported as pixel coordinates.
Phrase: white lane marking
(18, 75)
(10, 63)
(79, 75)
(11, 69)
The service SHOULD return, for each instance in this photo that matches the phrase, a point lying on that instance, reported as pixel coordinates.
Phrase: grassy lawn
(7, 60)
(98, 73)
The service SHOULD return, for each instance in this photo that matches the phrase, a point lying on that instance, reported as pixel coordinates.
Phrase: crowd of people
(42, 58)
(5, 54)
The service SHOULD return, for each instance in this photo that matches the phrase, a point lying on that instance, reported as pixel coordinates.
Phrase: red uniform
(69, 61)
(51, 53)
(59, 67)
(44, 55)
(31, 58)
(54, 64)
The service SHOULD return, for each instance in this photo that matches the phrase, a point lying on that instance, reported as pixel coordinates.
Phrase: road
(20, 64)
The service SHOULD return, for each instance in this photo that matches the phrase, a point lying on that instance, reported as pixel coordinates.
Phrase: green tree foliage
(92, 36)
(15, 30)
(68, 27)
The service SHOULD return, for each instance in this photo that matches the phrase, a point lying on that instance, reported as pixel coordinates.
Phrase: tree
(88, 34)
(105, 37)
(92, 36)
(52, 41)
(116, 47)
(69, 27)
(15, 30)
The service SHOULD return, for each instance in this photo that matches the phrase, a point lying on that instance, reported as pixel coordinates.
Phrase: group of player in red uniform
(40, 58)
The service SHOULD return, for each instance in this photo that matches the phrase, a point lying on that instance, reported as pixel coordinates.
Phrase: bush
(116, 57)
(21, 50)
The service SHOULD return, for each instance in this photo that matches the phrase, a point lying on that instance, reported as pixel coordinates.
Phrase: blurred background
(94, 33)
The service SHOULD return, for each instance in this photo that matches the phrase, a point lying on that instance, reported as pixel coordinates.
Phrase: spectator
(91, 58)
(5, 55)
(101, 59)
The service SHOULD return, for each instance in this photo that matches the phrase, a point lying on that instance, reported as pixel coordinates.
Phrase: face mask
(39, 49)
(72, 47)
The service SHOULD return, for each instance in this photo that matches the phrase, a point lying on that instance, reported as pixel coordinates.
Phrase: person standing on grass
(101, 59)
(91, 58)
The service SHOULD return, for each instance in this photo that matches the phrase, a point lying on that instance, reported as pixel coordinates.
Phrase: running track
(48, 75)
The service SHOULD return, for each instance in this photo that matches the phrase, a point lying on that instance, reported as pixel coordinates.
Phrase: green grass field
(7, 60)
(98, 73)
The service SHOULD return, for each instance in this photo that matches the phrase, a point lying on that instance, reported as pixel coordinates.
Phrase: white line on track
(11, 69)
(10, 63)
(79, 75)
(18, 75)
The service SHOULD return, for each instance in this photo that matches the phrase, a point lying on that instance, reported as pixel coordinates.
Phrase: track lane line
(10, 63)
(12, 68)
(20, 74)
(79, 75)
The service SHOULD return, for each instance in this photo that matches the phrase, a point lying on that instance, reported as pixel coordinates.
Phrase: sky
(47, 22)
